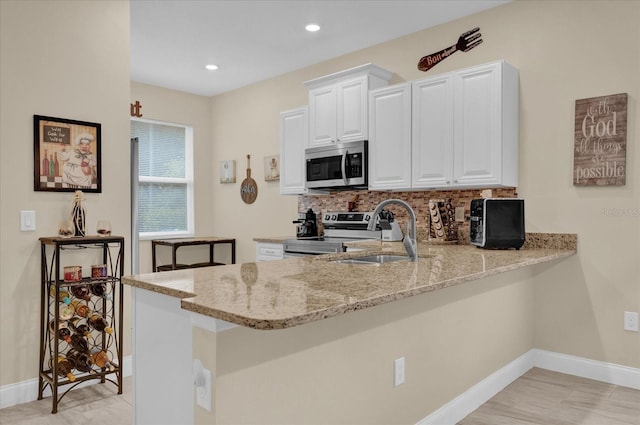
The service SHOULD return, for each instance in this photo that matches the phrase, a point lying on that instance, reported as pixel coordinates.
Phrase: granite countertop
(291, 292)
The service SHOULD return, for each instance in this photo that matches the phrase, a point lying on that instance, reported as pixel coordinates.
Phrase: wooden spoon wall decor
(248, 188)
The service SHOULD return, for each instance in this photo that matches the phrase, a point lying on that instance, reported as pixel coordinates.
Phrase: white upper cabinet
(486, 126)
(390, 137)
(322, 126)
(464, 131)
(293, 142)
(338, 109)
(432, 132)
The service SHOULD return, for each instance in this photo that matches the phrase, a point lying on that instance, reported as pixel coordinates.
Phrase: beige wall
(340, 370)
(187, 109)
(64, 59)
(565, 50)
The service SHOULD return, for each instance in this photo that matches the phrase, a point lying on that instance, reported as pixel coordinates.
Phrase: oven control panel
(345, 219)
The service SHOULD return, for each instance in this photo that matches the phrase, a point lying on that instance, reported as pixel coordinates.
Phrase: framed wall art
(272, 168)
(600, 142)
(66, 155)
(228, 171)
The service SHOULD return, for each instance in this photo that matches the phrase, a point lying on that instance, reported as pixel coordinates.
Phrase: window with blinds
(165, 178)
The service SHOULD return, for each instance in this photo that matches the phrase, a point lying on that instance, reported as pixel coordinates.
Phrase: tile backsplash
(364, 200)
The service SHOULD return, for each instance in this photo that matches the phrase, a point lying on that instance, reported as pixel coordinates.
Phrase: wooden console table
(177, 243)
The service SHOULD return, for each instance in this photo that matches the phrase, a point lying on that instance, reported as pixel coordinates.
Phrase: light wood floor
(538, 397)
(550, 398)
(97, 404)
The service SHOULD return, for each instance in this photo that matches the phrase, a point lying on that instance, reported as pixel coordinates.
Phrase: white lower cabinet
(463, 131)
(269, 251)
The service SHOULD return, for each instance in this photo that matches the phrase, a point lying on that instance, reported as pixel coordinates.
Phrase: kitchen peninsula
(335, 368)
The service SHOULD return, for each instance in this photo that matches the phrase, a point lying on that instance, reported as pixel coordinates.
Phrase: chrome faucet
(409, 241)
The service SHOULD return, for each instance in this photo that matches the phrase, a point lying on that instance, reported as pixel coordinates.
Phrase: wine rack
(80, 318)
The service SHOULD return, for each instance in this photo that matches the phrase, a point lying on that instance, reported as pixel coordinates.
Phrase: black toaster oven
(497, 223)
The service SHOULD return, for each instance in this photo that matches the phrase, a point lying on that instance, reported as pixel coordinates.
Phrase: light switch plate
(27, 221)
(631, 321)
(398, 371)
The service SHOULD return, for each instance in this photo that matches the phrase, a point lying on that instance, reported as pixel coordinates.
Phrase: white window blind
(165, 179)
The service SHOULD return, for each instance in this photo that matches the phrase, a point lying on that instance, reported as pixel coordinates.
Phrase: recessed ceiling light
(312, 27)
(211, 67)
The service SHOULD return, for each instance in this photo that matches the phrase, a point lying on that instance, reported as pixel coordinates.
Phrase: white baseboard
(610, 373)
(458, 408)
(477, 395)
(455, 410)
(26, 391)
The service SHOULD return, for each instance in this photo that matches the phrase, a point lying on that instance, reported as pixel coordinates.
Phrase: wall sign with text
(600, 144)
(466, 42)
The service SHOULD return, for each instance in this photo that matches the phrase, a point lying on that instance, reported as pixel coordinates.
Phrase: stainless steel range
(339, 228)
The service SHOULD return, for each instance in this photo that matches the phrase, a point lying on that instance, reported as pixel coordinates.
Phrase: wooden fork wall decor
(466, 42)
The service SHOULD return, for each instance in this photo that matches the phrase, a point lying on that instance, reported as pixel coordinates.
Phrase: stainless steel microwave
(340, 166)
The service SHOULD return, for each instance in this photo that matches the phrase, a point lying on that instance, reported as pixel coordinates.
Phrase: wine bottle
(66, 312)
(45, 164)
(62, 332)
(101, 359)
(98, 323)
(52, 166)
(65, 367)
(79, 343)
(81, 329)
(56, 166)
(99, 289)
(81, 361)
(80, 308)
(63, 295)
(81, 291)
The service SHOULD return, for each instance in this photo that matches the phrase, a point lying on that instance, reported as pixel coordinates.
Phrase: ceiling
(251, 41)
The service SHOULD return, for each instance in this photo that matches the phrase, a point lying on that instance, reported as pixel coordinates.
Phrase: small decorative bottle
(78, 214)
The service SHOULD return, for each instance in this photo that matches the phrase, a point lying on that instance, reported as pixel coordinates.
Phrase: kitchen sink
(373, 259)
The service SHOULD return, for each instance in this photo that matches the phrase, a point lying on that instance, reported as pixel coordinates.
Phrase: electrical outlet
(398, 376)
(202, 382)
(631, 321)
(203, 393)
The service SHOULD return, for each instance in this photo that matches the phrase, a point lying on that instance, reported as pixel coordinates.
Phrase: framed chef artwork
(66, 155)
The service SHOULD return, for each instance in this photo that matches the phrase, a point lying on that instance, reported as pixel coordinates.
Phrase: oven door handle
(344, 167)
